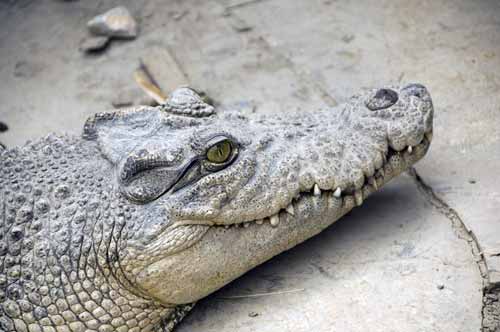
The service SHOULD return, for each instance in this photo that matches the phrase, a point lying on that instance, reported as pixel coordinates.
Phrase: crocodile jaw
(238, 248)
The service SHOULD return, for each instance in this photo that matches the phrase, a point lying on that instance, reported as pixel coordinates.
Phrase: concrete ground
(421, 255)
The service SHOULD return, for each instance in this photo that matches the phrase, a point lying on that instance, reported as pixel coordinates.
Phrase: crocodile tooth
(358, 197)
(246, 224)
(274, 220)
(226, 226)
(337, 192)
(317, 191)
(290, 209)
(373, 182)
(410, 149)
(259, 221)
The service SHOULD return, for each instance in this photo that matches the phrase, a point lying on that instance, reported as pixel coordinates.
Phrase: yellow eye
(220, 152)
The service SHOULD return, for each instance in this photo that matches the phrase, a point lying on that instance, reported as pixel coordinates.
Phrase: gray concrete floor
(377, 269)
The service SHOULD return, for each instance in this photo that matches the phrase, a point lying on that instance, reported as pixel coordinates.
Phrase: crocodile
(152, 208)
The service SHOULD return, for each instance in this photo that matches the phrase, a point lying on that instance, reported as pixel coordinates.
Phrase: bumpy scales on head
(154, 208)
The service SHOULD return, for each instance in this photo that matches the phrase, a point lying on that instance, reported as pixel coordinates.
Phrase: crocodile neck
(61, 242)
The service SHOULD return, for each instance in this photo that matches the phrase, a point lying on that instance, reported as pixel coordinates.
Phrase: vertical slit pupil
(220, 152)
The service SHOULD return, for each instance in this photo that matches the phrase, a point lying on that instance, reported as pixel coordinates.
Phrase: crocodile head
(216, 193)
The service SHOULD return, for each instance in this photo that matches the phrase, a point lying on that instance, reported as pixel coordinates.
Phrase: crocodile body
(151, 209)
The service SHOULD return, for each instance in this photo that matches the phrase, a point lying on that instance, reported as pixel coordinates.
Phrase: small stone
(94, 44)
(472, 181)
(116, 22)
(440, 286)
(3, 127)
(253, 314)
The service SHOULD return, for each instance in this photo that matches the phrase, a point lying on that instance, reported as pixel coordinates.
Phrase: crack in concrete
(490, 312)
(460, 228)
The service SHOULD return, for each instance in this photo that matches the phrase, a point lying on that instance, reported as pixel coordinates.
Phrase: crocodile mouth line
(349, 197)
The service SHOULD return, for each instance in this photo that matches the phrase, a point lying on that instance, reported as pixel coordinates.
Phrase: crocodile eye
(383, 98)
(220, 152)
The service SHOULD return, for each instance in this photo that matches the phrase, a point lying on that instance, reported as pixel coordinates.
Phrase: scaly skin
(124, 228)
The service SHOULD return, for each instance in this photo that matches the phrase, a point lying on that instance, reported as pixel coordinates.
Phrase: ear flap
(118, 132)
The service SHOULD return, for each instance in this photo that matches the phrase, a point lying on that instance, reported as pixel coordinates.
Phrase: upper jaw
(392, 160)
(394, 163)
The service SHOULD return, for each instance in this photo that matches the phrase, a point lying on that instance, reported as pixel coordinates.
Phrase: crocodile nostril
(383, 98)
(415, 89)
